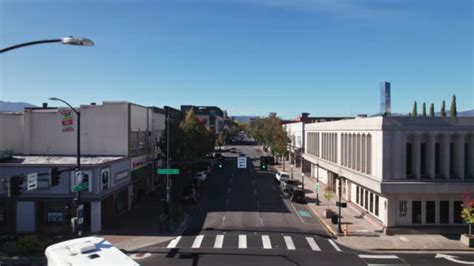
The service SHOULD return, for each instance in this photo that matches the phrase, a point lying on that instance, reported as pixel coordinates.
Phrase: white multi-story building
(402, 171)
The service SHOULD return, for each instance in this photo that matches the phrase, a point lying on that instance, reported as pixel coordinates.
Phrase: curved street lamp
(78, 167)
(79, 41)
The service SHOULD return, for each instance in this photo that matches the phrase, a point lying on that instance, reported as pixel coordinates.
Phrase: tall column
(96, 217)
(459, 156)
(445, 141)
(416, 158)
(430, 155)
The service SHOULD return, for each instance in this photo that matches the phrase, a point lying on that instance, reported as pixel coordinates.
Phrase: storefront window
(416, 212)
(55, 213)
(357, 195)
(444, 212)
(430, 212)
(457, 212)
(376, 205)
(3, 213)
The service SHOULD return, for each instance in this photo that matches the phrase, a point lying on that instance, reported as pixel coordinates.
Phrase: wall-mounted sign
(66, 119)
(138, 162)
(105, 178)
(403, 208)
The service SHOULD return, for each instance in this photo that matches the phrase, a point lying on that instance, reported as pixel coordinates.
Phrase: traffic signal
(15, 186)
(263, 164)
(220, 163)
(55, 176)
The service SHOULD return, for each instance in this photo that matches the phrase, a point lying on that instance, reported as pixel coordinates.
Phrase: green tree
(424, 109)
(443, 109)
(198, 140)
(415, 110)
(270, 133)
(467, 212)
(432, 112)
(453, 112)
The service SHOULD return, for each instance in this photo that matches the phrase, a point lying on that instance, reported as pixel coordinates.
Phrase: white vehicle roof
(78, 252)
(283, 173)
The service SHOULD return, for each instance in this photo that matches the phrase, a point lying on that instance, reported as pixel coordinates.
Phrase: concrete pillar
(96, 217)
(416, 158)
(444, 157)
(430, 155)
(459, 156)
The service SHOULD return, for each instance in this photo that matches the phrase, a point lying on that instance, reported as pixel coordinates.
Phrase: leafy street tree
(415, 110)
(443, 109)
(467, 212)
(453, 112)
(424, 109)
(432, 112)
(270, 133)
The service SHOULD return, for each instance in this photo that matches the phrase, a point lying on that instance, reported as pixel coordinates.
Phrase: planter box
(328, 213)
(467, 240)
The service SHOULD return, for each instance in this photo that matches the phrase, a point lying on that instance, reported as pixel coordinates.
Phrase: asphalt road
(243, 219)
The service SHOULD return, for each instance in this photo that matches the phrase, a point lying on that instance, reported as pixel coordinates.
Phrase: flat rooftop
(58, 160)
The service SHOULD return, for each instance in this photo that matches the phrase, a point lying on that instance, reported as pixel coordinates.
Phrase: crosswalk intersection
(244, 241)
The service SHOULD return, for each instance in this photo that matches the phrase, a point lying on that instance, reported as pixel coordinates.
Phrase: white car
(201, 176)
(281, 175)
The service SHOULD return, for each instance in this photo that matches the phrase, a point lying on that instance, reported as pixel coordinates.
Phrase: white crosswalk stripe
(289, 243)
(219, 241)
(313, 244)
(242, 241)
(174, 242)
(197, 241)
(267, 244)
(334, 245)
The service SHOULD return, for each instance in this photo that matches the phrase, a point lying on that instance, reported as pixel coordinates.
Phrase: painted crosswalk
(254, 241)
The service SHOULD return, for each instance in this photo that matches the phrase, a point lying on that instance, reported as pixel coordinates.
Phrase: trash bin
(334, 218)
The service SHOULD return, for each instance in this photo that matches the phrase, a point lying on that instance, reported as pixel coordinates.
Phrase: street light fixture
(339, 228)
(78, 164)
(78, 41)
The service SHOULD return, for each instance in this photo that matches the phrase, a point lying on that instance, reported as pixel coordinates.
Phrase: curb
(327, 227)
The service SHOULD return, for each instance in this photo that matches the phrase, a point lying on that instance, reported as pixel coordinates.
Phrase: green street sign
(168, 171)
(81, 186)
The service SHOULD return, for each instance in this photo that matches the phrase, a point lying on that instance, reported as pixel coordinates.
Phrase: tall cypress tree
(415, 111)
(424, 109)
(453, 112)
(443, 109)
(432, 113)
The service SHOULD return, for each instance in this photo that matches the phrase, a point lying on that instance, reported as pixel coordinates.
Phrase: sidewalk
(365, 232)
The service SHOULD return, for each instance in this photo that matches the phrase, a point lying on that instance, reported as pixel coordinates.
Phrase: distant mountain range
(243, 118)
(14, 106)
(467, 113)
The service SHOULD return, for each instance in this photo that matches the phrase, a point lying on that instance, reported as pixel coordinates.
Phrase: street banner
(66, 119)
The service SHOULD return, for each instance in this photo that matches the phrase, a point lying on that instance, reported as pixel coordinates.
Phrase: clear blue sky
(250, 57)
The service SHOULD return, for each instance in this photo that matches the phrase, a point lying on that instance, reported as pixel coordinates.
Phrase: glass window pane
(416, 212)
(430, 212)
(457, 219)
(444, 212)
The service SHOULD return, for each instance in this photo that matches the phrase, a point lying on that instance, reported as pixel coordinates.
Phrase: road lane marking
(266, 242)
(289, 243)
(313, 244)
(242, 241)
(219, 241)
(174, 242)
(197, 241)
(334, 245)
(368, 256)
(403, 238)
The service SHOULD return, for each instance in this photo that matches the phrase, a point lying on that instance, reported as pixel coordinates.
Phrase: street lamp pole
(317, 183)
(80, 41)
(339, 228)
(78, 157)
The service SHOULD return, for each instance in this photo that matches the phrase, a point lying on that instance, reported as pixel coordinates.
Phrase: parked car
(281, 175)
(202, 176)
(190, 194)
(298, 195)
(288, 185)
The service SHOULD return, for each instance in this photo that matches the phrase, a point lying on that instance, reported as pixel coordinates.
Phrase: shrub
(29, 244)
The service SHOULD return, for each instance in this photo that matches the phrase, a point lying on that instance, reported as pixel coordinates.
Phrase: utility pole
(339, 229)
(317, 184)
(168, 185)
